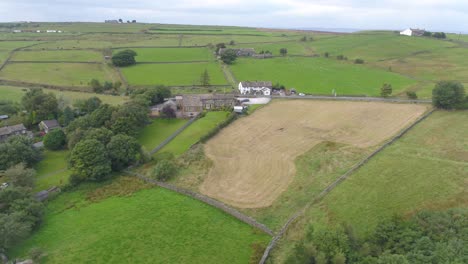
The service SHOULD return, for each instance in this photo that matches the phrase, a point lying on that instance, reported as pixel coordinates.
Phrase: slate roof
(257, 84)
(51, 123)
(11, 129)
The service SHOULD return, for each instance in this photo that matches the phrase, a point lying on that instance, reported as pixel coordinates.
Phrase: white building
(51, 31)
(16, 31)
(412, 32)
(255, 88)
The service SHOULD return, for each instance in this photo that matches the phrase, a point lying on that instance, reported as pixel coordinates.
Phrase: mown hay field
(254, 157)
(173, 74)
(58, 55)
(172, 54)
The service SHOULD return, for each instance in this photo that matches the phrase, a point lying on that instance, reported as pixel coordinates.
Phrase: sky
(442, 15)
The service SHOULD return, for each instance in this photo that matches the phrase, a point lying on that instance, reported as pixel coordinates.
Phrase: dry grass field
(254, 157)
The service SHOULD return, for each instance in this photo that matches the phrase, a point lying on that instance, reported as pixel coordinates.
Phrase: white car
(4, 185)
(301, 94)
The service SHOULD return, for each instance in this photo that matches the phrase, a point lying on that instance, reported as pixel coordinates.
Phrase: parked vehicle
(301, 94)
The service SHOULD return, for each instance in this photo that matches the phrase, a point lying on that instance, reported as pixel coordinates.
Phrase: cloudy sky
(448, 15)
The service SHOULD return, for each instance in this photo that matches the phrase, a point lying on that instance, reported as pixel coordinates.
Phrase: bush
(448, 95)
(229, 56)
(55, 140)
(124, 58)
(164, 170)
(412, 95)
(340, 57)
(386, 90)
(358, 61)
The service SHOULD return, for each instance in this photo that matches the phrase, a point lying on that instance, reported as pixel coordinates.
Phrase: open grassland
(52, 170)
(8, 46)
(254, 157)
(427, 168)
(173, 74)
(15, 94)
(67, 74)
(194, 132)
(172, 54)
(294, 47)
(159, 129)
(59, 55)
(320, 75)
(115, 224)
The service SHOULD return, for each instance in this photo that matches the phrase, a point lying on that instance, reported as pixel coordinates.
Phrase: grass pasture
(254, 157)
(320, 75)
(147, 226)
(160, 129)
(58, 55)
(61, 74)
(52, 170)
(172, 54)
(173, 74)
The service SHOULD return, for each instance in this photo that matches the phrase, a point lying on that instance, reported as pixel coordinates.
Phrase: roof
(11, 129)
(257, 84)
(197, 100)
(51, 123)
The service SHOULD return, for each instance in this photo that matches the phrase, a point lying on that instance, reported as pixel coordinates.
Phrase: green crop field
(172, 54)
(320, 75)
(148, 226)
(173, 74)
(59, 55)
(15, 94)
(67, 74)
(52, 170)
(194, 132)
(160, 129)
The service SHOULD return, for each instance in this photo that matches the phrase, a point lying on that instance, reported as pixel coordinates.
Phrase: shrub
(340, 57)
(164, 170)
(448, 95)
(124, 58)
(412, 95)
(386, 90)
(326, 54)
(55, 140)
(358, 61)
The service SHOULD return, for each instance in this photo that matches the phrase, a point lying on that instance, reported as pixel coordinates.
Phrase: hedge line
(232, 116)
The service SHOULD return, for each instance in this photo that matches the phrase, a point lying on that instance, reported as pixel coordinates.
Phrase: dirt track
(254, 157)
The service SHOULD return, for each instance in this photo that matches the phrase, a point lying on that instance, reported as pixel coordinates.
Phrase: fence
(171, 137)
(330, 187)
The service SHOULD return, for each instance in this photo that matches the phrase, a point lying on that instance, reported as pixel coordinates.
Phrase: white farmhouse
(412, 32)
(255, 88)
(51, 31)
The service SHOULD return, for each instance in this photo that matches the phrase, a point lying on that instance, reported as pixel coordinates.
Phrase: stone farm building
(241, 52)
(255, 88)
(192, 104)
(48, 125)
(413, 32)
(8, 131)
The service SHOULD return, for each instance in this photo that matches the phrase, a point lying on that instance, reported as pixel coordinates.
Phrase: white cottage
(412, 32)
(255, 88)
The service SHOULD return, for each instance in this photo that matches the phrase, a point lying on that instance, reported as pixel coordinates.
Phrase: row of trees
(439, 35)
(427, 237)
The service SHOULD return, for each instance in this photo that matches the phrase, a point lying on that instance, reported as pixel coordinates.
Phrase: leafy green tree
(151, 95)
(358, 61)
(448, 95)
(20, 176)
(392, 259)
(124, 58)
(100, 134)
(18, 149)
(229, 56)
(412, 95)
(205, 79)
(129, 118)
(101, 116)
(283, 51)
(41, 106)
(386, 90)
(331, 242)
(96, 86)
(89, 161)
(8, 108)
(67, 116)
(108, 86)
(123, 151)
(220, 46)
(75, 136)
(164, 170)
(55, 140)
(87, 106)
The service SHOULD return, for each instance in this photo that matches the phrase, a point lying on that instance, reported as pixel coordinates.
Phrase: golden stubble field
(254, 157)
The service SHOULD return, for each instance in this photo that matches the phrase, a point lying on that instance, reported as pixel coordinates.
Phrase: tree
(133, 21)
(168, 112)
(124, 58)
(100, 134)
(67, 116)
(412, 95)
(283, 51)
(89, 161)
(87, 106)
(229, 56)
(164, 170)
(8, 108)
(304, 38)
(220, 46)
(129, 118)
(107, 86)
(123, 151)
(55, 140)
(20, 176)
(96, 86)
(439, 35)
(386, 90)
(326, 54)
(120, 20)
(41, 106)
(117, 86)
(427, 34)
(448, 95)
(18, 149)
(152, 95)
(358, 61)
(232, 43)
(205, 79)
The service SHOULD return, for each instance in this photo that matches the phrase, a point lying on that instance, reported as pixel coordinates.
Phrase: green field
(58, 55)
(172, 54)
(149, 226)
(67, 74)
(320, 75)
(173, 74)
(52, 170)
(15, 94)
(8, 46)
(194, 132)
(160, 129)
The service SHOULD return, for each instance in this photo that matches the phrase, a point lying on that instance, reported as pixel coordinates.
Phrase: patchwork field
(67, 74)
(58, 55)
(254, 157)
(320, 75)
(173, 74)
(115, 223)
(172, 54)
